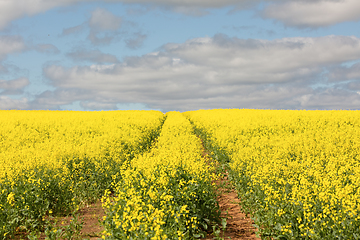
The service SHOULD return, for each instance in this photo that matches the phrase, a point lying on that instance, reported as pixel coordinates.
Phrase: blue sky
(179, 55)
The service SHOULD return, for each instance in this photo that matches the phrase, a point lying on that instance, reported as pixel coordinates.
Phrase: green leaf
(204, 225)
(223, 223)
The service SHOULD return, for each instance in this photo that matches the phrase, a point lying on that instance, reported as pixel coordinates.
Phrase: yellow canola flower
(11, 198)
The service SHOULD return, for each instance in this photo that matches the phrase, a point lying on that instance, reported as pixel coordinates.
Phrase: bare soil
(239, 226)
(92, 215)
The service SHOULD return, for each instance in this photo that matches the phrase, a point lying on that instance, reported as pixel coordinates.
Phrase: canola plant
(52, 162)
(296, 172)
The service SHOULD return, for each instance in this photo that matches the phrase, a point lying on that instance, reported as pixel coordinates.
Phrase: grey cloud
(13, 87)
(308, 13)
(7, 103)
(102, 38)
(10, 44)
(102, 20)
(104, 27)
(3, 69)
(73, 30)
(342, 73)
(244, 96)
(13, 70)
(14, 9)
(314, 14)
(191, 11)
(96, 105)
(47, 48)
(215, 72)
(55, 99)
(274, 60)
(355, 86)
(136, 41)
(95, 56)
(331, 99)
(140, 9)
(252, 30)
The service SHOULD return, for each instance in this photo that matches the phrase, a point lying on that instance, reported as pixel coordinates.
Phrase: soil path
(92, 215)
(239, 226)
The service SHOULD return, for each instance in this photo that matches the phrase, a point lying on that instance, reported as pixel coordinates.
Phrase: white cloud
(212, 72)
(313, 14)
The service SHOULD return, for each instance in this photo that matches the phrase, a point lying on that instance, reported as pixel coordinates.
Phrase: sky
(179, 55)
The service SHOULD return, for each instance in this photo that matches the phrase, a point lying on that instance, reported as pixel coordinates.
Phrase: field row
(166, 193)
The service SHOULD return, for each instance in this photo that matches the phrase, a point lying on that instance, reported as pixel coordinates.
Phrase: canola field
(52, 162)
(296, 172)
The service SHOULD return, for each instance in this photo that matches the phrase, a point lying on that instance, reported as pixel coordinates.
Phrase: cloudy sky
(179, 54)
